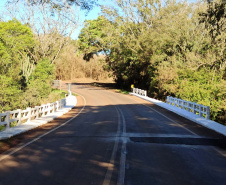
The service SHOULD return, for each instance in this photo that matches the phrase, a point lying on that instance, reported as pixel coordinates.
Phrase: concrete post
(183, 104)
(37, 111)
(208, 112)
(194, 108)
(189, 109)
(7, 119)
(29, 114)
(19, 117)
(48, 108)
(200, 110)
(57, 105)
(69, 86)
(54, 107)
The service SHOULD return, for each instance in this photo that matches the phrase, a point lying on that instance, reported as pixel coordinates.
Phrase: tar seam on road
(36, 139)
(214, 148)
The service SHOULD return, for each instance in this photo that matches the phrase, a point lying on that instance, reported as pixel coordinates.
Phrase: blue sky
(93, 14)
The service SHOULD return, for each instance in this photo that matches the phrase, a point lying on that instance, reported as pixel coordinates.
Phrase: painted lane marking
(39, 137)
(167, 118)
(121, 178)
(162, 115)
(110, 169)
(214, 148)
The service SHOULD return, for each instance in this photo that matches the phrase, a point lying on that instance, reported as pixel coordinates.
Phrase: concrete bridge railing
(198, 109)
(201, 110)
(22, 116)
(140, 92)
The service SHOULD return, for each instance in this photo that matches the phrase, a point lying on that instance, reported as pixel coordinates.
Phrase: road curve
(117, 139)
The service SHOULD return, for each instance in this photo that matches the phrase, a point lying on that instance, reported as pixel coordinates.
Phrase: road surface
(117, 139)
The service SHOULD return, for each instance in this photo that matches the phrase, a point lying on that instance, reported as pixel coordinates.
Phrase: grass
(2, 127)
(122, 91)
(56, 95)
(62, 93)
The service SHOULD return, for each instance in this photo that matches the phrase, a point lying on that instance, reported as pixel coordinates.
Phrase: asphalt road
(117, 139)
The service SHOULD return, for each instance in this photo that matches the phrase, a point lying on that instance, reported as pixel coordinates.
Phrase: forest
(175, 48)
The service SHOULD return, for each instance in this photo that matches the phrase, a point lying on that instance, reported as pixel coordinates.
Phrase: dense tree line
(23, 82)
(38, 49)
(168, 48)
(70, 65)
(29, 47)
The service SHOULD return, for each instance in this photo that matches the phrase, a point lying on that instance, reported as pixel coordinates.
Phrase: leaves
(172, 48)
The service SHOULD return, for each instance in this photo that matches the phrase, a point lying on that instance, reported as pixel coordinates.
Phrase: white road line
(39, 137)
(123, 123)
(121, 177)
(110, 169)
(167, 118)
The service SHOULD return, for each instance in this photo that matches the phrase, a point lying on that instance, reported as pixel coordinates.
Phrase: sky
(93, 14)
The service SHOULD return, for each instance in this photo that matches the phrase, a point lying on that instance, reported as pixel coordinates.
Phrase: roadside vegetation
(166, 47)
(35, 50)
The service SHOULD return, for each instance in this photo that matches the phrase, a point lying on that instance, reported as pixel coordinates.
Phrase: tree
(214, 19)
(91, 39)
(84, 4)
(39, 85)
(52, 26)
(16, 42)
(171, 48)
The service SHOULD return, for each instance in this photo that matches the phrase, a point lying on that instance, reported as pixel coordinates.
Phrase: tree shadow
(80, 152)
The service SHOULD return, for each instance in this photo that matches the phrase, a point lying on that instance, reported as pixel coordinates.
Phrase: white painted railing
(198, 109)
(140, 92)
(201, 110)
(21, 116)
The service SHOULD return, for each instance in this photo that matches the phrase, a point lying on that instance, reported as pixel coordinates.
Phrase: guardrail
(21, 116)
(140, 92)
(193, 107)
(198, 109)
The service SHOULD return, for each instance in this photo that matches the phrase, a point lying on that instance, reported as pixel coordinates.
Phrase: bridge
(114, 139)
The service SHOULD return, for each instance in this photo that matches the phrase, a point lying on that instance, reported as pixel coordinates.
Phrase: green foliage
(9, 93)
(172, 48)
(16, 44)
(91, 38)
(16, 40)
(39, 86)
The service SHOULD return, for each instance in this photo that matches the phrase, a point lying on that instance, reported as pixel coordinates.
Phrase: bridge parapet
(201, 110)
(23, 116)
(140, 92)
(198, 109)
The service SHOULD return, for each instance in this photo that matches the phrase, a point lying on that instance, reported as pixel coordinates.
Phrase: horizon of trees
(29, 48)
(166, 47)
